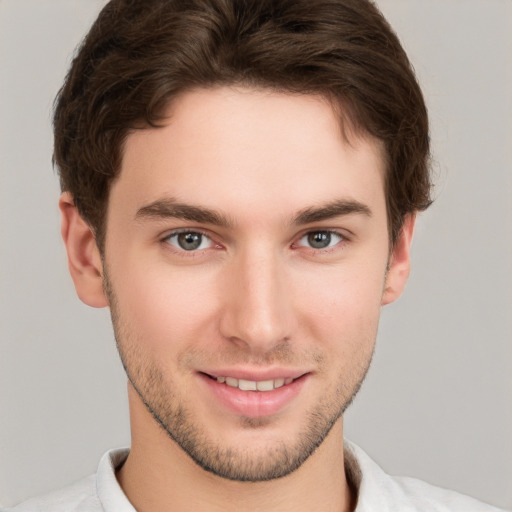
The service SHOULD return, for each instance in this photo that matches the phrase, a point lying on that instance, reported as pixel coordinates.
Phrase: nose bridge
(257, 310)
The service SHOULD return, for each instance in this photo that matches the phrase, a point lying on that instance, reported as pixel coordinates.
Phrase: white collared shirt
(377, 491)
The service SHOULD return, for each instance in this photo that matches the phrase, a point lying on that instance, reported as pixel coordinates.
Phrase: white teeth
(252, 385)
(247, 385)
(230, 381)
(279, 383)
(265, 385)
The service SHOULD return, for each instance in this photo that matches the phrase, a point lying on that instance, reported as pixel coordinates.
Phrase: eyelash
(326, 232)
(212, 244)
(185, 252)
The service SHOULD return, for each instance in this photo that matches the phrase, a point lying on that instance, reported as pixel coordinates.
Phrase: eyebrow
(170, 208)
(331, 210)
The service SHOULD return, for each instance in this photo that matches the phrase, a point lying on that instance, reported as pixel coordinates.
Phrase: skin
(259, 178)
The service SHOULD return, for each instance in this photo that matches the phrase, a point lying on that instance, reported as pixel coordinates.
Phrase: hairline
(349, 130)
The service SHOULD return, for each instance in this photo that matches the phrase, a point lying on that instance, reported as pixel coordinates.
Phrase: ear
(84, 260)
(399, 262)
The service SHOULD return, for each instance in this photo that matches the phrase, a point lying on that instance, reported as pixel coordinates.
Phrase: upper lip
(256, 375)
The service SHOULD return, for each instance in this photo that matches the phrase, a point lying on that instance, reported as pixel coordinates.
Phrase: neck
(159, 476)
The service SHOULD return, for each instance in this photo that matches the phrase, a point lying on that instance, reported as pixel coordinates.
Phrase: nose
(257, 313)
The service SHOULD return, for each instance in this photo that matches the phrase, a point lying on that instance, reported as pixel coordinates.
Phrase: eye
(189, 241)
(320, 239)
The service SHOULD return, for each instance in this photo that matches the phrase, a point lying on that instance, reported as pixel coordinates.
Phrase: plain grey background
(438, 401)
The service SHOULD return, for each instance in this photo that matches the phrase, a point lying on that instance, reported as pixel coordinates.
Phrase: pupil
(189, 241)
(319, 240)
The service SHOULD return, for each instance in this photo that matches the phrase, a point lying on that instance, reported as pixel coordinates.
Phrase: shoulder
(432, 498)
(380, 491)
(96, 493)
(78, 497)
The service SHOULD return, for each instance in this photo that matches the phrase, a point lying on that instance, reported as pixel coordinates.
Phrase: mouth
(253, 397)
(254, 385)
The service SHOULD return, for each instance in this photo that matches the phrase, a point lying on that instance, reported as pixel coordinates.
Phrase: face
(246, 263)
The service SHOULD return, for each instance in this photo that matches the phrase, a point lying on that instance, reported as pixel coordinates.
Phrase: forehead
(240, 148)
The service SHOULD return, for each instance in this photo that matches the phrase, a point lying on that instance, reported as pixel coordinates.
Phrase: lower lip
(254, 404)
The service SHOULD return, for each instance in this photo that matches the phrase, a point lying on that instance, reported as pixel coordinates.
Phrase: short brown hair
(139, 54)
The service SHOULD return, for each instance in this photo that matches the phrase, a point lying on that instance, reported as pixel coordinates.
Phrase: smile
(253, 385)
(247, 394)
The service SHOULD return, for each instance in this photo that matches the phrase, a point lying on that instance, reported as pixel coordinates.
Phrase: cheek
(343, 306)
(161, 305)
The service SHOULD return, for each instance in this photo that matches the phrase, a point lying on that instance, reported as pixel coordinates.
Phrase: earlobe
(399, 262)
(84, 260)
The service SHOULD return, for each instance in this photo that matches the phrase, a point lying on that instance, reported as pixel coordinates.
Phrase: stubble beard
(233, 463)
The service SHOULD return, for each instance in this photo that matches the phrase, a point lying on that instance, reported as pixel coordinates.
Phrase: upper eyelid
(337, 232)
(344, 233)
(177, 231)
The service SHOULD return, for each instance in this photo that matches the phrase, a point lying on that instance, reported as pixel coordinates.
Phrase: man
(240, 184)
